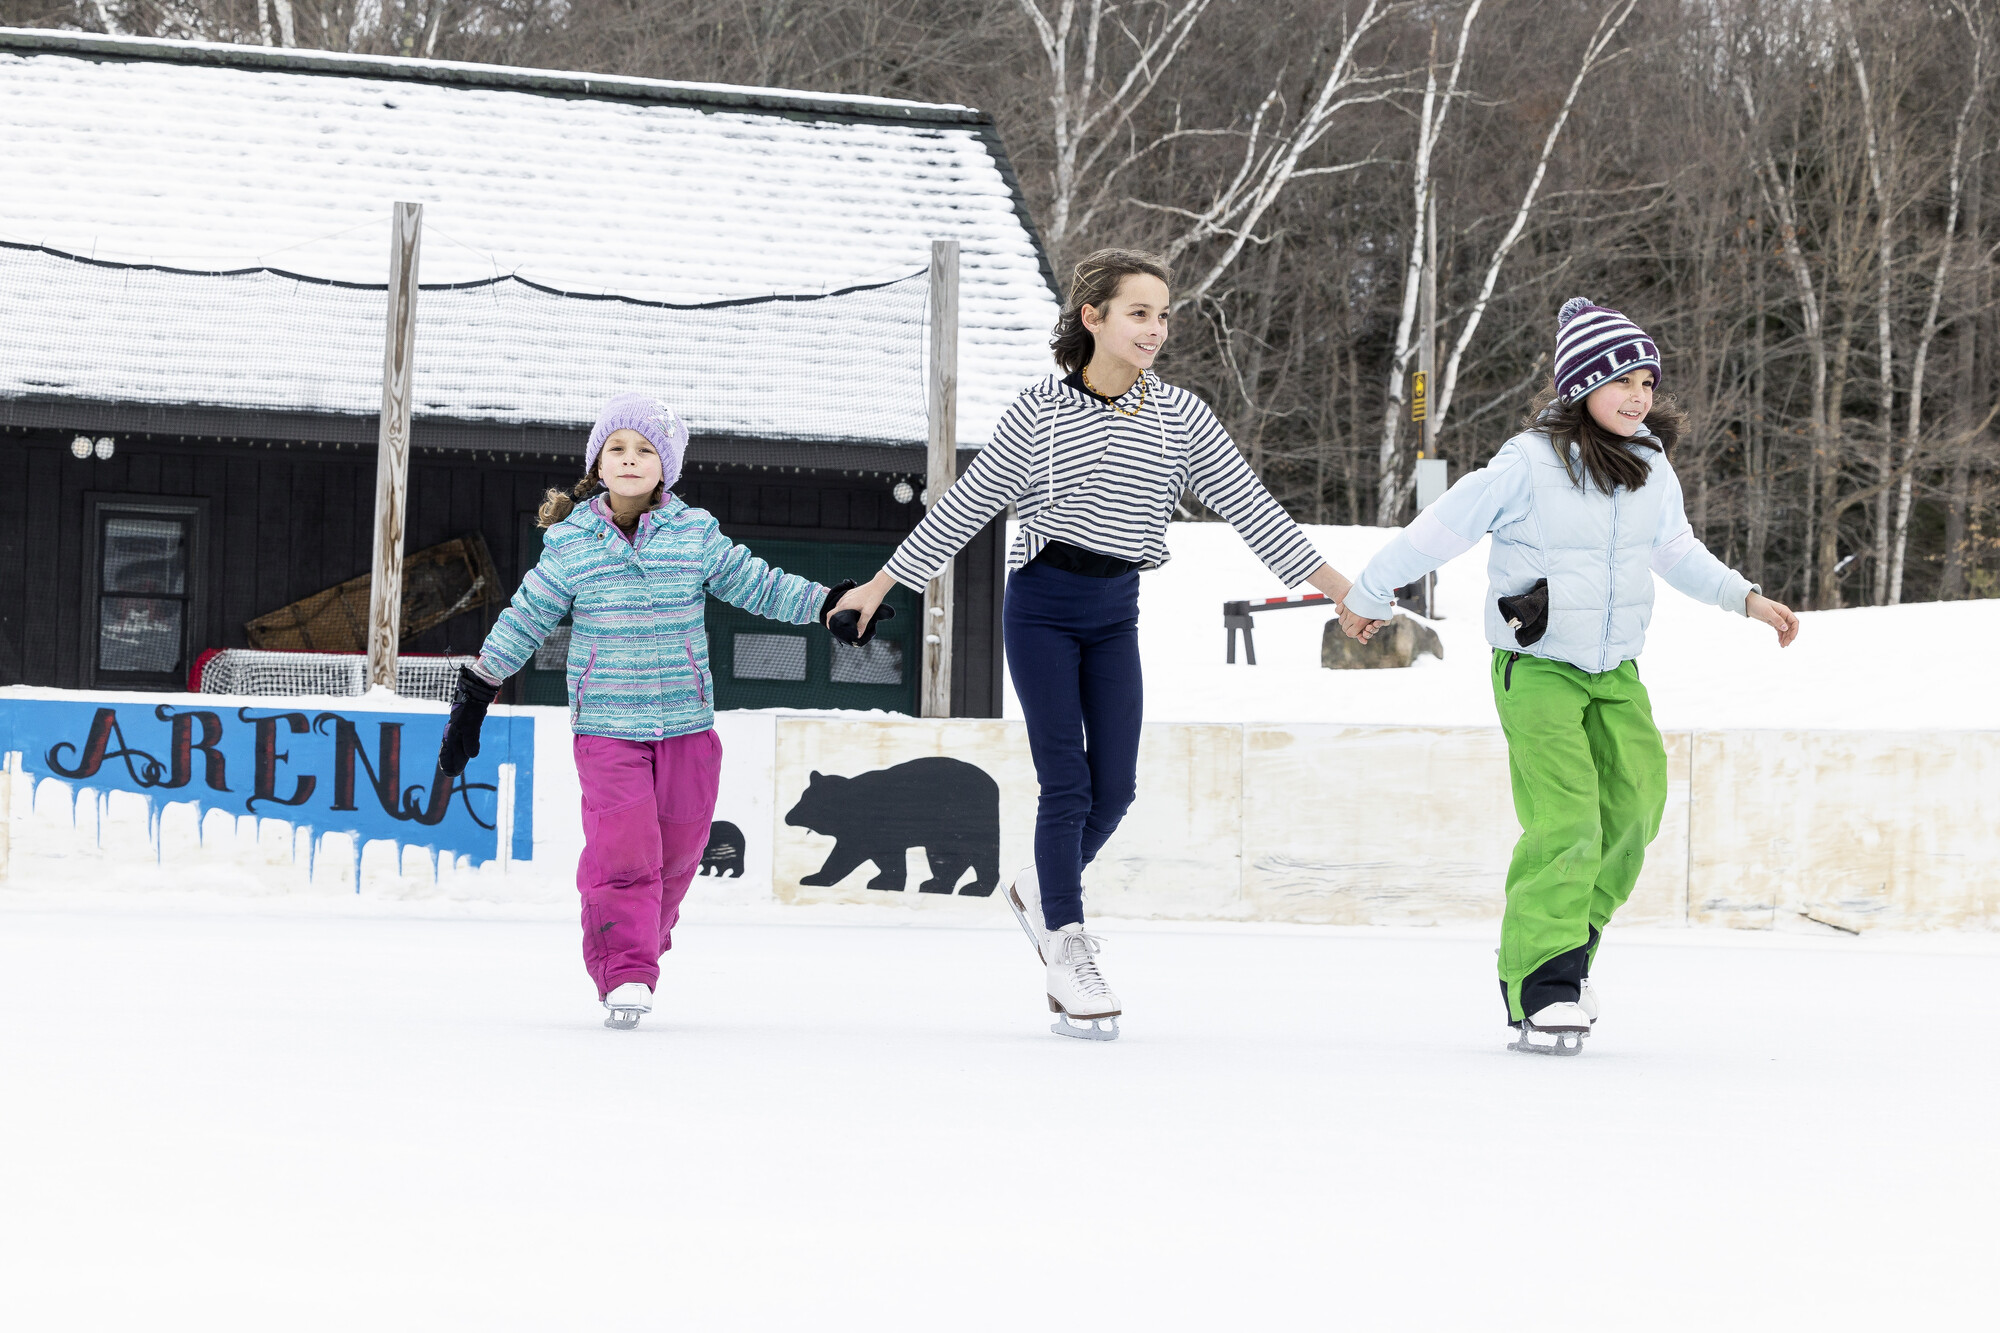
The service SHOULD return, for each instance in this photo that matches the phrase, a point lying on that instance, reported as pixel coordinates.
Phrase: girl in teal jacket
(632, 567)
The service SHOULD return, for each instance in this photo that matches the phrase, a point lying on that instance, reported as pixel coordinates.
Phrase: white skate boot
(1554, 1029)
(627, 1003)
(1024, 895)
(1587, 1001)
(1077, 991)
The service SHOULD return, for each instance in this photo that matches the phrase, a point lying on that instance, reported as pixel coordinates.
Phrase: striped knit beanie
(652, 419)
(1595, 343)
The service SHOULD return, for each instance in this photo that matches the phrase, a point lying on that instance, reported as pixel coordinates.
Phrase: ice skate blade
(1021, 915)
(1065, 1026)
(1564, 1041)
(623, 1019)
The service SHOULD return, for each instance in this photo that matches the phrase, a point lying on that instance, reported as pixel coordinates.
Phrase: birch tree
(1102, 68)
(1596, 53)
(1431, 114)
(1913, 433)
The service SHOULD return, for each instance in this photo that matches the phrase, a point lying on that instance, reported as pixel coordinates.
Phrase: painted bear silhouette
(724, 853)
(948, 807)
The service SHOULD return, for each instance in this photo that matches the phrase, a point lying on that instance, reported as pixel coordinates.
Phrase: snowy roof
(210, 157)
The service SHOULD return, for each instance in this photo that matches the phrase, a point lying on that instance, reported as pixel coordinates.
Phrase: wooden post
(1427, 349)
(941, 406)
(392, 456)
(1430, 469)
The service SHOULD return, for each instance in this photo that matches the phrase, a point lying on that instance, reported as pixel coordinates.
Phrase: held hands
(1337, 585)
(852, 613)
(1775, 614)
(1357, 626)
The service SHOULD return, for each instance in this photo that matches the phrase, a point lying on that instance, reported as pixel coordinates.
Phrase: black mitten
(845, 625)
(833, 596)
(470, 698)
(1527, 613)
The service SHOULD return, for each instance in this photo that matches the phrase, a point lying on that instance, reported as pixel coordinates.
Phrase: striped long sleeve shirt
(1077, 471)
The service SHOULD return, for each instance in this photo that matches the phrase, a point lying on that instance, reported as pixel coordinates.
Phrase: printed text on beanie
(1595, 343)
(652, 419)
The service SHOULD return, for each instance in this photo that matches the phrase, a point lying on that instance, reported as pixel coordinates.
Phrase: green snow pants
(1590, 784)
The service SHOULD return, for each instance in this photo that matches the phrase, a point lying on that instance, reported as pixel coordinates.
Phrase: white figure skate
(1587, 1001)
(1077, 990)
(1024, 895)
(1554, 1029)
(627, 1003)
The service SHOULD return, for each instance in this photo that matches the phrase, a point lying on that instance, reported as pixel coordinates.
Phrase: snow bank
(1919, 667)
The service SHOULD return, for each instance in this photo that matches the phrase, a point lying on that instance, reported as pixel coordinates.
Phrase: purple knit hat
(1595, 343)
(652, 419)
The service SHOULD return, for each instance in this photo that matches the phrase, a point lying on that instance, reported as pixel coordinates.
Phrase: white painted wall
(1311, 822)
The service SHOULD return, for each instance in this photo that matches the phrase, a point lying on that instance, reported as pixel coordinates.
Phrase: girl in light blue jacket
(1584, 510)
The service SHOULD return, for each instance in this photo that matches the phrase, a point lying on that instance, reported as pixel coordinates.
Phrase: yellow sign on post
(1417, 387)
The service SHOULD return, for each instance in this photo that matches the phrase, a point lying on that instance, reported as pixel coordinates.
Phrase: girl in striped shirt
(1093, 461)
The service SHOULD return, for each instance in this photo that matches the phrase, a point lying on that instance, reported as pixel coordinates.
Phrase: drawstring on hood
(1056, 396)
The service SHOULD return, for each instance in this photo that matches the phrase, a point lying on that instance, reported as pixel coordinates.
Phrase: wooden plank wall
(287, 522)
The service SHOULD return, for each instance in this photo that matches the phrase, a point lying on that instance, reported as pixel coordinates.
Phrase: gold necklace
(1112, 403)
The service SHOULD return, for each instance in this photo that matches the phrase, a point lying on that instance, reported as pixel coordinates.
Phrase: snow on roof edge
(464, 73)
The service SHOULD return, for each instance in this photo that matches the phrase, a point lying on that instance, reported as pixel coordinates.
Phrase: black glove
(843, 625)
(469, 701)
(1527, 613)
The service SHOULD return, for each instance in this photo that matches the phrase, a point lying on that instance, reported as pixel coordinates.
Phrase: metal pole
(1430, 468)
(1427, 350)
(392, 455)
(941, 406)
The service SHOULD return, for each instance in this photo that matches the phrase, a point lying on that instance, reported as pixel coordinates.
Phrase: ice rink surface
(222, 1114)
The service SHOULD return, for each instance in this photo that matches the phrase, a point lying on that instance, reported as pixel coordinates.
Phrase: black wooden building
(185, 467)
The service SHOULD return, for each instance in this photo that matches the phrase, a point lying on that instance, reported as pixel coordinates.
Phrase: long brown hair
(558, 505)
(1607, 460)
(1094, 283)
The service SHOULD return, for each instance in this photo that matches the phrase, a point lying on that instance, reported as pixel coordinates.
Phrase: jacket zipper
(700, 691)
(584, 679)
(1611, 588)
(1511, 659)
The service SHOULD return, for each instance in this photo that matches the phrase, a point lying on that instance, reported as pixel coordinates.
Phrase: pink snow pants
(646, 810)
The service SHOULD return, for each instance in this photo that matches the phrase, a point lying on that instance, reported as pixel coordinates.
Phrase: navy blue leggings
(1073, 652)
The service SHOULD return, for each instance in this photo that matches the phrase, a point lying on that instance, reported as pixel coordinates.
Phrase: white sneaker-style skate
(1554, 1029)
(1024, 895)
(627, 1003)
(1077, 991)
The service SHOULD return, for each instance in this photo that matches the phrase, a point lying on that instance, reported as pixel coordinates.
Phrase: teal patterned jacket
(638, 652)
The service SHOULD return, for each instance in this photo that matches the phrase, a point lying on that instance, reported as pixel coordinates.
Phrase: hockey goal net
(260, 672)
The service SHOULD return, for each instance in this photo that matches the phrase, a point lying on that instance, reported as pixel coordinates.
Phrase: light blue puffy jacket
(1599, 552)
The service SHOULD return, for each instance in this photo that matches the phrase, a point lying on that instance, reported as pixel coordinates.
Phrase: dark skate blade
(623, 1019)
(1021, 915)
(1064, 1026)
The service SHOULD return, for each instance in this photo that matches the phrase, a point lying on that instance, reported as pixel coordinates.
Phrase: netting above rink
(257, 672)
(842, 365)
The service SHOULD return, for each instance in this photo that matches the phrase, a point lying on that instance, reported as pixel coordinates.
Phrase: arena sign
(369, 774)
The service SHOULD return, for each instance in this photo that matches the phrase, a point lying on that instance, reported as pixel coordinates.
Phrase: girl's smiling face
(629, 466)
(1621, 405)
(1132, 325)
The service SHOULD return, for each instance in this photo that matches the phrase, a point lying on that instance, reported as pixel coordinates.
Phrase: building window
(768, 657)
(144, 622)
(877, 662)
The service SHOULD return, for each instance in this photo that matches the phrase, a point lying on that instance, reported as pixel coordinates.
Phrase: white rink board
(1312, 822)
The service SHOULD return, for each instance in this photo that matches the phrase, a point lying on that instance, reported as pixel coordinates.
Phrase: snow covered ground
(387, 1116)
(1889, 668)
